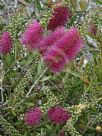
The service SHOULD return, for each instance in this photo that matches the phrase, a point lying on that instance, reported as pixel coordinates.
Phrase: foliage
(26, 81)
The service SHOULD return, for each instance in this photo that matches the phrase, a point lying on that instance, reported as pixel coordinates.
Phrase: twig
(29, 92)
(2, 97)
(41, 124)
(89, 123)
(12, 66)
(16, 3)
(23, 2)
(73, 73)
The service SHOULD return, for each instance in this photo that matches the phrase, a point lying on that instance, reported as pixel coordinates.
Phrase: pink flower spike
(49, 40)
(63, 51)
(32, 35)
(58, 115)
(55, 59)
(60, 16)
(33, 116)
(5, 43)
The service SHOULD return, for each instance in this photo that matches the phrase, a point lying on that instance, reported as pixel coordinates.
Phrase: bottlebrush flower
(32, 35)
(33, 116)
(58, 115)
(5, 43)
(63, 51)
(49, 40)
(59, 17)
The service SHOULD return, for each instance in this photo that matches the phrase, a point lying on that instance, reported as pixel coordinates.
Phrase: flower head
(49, 40)
(58, 115)
(5, 43)
(32, 35)
(59, 17)
(63, 51)
(33, 116)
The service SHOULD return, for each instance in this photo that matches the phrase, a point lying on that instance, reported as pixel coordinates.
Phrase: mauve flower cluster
(32, 35)
(57, 48)
(63, 50)
(33, 116)
(5, 43)
(49, 40)
(59, 17)
(58, 115)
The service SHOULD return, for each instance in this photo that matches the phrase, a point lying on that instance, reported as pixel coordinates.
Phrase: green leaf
(25, 134)
(46, 78)
(1, 7)
(12, 74)
(29, 104)
(13, 112)
(25, 62)
(98, 1)
(38, 5)
(49, 127)
(8, 60)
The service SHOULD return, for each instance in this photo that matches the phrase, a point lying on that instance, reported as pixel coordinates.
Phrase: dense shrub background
(26, 81)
